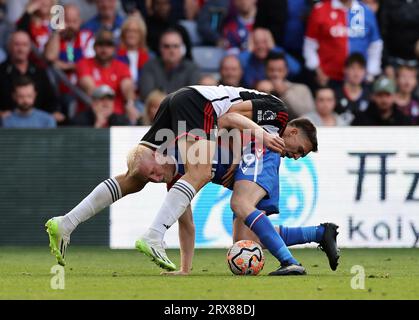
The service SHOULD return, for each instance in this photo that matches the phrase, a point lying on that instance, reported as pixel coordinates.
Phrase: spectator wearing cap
(324, 114)
(405, 99)
(171, 71)
(18, 65)
(26, 115)
(101, 115)
(353, 96)
(382, 110)
(105, 69)
(107, 18)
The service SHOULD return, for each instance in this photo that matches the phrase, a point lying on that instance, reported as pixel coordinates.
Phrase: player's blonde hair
(135, 158)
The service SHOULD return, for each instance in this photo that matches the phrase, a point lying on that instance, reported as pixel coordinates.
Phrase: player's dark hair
(356, 57)
(309, 130)
(273, 55)
(22, 81)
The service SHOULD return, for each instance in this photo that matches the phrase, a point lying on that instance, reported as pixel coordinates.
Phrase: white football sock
(106, 193)
(174, 205)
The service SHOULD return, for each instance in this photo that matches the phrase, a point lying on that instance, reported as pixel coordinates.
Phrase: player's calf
(245, 197)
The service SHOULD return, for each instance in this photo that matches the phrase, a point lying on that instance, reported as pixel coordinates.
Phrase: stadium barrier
(364, 179)
(44, 173)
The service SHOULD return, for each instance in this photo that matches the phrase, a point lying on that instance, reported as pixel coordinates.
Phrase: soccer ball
(245, 257)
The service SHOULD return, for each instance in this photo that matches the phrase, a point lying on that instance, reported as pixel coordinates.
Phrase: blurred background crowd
(336, 62)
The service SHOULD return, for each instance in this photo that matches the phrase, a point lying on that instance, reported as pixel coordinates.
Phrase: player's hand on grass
(175, 273)
(274, 142)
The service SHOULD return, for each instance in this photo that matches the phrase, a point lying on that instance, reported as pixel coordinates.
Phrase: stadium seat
(208, 58)
(192, 29)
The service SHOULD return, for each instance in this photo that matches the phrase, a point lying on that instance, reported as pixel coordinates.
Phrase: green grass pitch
(102, 273)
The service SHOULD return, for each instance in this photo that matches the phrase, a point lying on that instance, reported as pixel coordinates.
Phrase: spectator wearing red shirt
(382, 110)
(68, 46)
(133, 48)
(36, 20)
(105, 69)
(101, 115)
(336, 29)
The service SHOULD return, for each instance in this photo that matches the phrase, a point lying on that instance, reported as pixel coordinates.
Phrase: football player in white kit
(206, 108)
(188, 109)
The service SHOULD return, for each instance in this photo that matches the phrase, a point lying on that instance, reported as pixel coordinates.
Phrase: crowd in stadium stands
(336, 62)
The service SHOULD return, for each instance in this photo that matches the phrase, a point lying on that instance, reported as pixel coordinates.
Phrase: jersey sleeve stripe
(220, 99)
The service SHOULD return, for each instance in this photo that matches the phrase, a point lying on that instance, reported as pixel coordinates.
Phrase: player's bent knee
(239, 207)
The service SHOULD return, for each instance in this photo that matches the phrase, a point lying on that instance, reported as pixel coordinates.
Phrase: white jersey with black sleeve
(223, 97)
(268, 110)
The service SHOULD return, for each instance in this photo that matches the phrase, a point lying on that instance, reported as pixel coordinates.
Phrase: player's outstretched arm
(187, 243)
